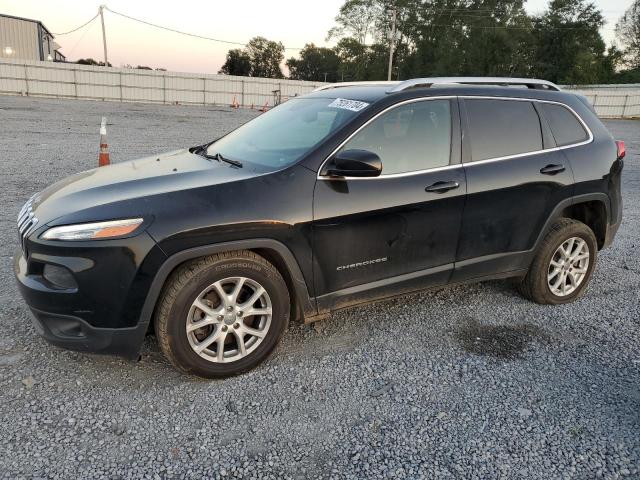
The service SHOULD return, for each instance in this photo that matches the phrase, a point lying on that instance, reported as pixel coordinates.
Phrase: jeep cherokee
(352, 193)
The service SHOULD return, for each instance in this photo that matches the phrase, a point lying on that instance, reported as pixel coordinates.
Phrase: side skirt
(383, 290)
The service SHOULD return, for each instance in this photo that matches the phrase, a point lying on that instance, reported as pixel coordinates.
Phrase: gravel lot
(468, 382)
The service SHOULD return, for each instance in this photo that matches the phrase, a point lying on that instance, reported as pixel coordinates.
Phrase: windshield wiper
(200, 149)
(220, 158)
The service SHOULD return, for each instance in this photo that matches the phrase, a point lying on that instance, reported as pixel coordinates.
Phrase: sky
(293, 22)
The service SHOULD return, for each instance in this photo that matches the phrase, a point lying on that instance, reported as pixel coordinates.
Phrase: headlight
(93, 231)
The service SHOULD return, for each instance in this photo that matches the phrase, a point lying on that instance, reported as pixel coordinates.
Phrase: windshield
(284, 134)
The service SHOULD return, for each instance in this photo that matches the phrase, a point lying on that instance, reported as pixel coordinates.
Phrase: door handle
(441, 187)
(552, 169)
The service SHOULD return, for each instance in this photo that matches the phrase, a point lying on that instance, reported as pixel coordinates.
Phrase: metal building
(26, 39)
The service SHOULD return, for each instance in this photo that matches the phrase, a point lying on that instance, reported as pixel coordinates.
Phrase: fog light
(59, 277)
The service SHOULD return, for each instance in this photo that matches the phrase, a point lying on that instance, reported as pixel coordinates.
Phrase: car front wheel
(223, 314)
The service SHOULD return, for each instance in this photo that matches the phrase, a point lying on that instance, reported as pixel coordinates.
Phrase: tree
(266, 57)
(87, 61)
(357, 19)
(497, 44)
(435, 37)
(238, 63)
(91, 61)
(475, 37)
(260, 58)
(315, 64)
(628, 34)
(568, 46)
(458, 37)
(352, 56)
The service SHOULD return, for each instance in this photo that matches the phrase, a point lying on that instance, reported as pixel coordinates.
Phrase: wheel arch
(590, 209)
(272, 250)
(592, 213)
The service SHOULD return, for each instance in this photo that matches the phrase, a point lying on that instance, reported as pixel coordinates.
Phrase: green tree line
(458, 37)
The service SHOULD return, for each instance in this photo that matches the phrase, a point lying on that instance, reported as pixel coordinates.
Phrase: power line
(78, 28)
(80, 40)
(490, 27)
(228, 42)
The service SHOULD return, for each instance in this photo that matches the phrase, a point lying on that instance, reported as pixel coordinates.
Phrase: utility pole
(392, 45)
(104, 35)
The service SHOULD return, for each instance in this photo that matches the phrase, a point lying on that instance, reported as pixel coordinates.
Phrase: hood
(134, 179)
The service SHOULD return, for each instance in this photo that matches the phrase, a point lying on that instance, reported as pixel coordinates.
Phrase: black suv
(353, 193)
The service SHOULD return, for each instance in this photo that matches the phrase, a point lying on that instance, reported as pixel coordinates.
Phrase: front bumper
(73, 333)
(101, 311)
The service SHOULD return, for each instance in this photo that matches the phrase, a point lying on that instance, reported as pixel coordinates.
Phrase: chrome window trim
(462, 164)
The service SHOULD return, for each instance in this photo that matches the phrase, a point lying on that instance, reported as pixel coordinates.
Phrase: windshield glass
(284, 134)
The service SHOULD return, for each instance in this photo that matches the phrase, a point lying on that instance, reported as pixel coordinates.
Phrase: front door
(374, 237)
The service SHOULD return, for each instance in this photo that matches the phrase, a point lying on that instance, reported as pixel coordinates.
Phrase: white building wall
(21, 36)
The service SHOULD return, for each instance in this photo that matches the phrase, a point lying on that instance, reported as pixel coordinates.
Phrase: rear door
(515, 178)
(396, 232)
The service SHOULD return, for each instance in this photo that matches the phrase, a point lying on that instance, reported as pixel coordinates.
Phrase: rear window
(566, 128)
(499, 128)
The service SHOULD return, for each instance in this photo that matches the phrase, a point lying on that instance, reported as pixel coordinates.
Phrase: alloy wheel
(229, 319)
(568, 267)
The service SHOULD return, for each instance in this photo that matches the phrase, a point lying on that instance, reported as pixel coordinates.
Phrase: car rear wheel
(563, 264)
(222, 315)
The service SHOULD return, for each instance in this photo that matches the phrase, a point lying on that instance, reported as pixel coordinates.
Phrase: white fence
(68, 80)
(612, 101)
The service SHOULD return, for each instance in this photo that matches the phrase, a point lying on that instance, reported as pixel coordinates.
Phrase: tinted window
(566, 128)
(411, 137)
(499, 128)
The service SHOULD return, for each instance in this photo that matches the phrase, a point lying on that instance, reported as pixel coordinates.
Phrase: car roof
(364, 93)
(377, 91)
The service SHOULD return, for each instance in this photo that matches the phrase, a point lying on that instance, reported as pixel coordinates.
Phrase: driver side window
(411, 137)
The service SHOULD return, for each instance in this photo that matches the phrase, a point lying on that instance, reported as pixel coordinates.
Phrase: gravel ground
(467, 382)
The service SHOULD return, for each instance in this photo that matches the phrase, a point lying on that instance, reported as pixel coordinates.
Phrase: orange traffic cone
(234, 103)
(265, 108)
(103, 158)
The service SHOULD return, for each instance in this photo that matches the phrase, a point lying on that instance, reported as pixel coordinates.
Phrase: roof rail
(355, 84)
(505, 81)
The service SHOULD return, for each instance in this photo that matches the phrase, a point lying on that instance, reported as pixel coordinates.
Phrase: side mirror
(355, 163)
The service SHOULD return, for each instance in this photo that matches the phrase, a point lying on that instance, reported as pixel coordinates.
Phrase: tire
(201, 292)
(536, 285)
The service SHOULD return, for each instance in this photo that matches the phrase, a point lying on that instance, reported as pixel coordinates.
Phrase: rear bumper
(73, 333)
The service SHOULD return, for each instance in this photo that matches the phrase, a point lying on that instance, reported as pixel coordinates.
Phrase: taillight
(622, 151)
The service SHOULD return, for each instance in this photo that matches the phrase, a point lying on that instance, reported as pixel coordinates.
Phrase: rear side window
(566, 128)
(499, 128)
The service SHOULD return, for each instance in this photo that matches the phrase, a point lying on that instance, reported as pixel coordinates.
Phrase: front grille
(27, 222)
